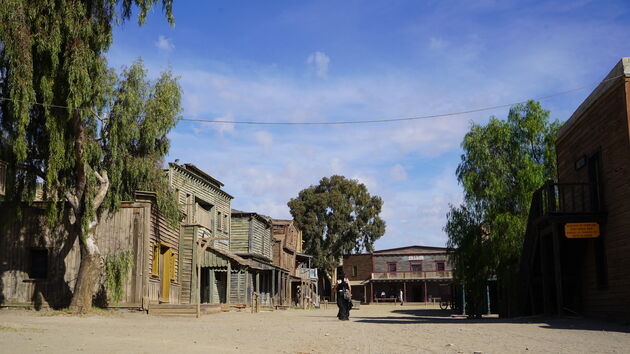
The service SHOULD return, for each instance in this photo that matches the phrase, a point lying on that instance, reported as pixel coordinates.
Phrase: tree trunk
(89, 275)
(92, 264)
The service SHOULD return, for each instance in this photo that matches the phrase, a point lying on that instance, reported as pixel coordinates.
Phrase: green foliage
(503, 163)
(336, 217)
(53, 52)
(117, 267)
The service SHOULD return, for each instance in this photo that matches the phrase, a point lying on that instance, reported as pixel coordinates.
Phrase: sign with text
(415, 258)
(581, 230)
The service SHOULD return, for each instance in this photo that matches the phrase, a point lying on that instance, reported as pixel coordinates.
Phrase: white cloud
(398, 173)
(164, 44)
(437, 43)
(221, 126)
(319, 62)
(264, 138)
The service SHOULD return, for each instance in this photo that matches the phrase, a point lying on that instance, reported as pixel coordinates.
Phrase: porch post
(425, 291)
(557, 268)
(404, 299)
(228, 281)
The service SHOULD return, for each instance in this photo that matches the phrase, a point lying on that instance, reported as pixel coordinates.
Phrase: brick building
(423, 274)
(576, 254)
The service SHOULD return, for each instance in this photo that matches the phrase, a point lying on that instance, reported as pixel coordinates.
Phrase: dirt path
(372, 329)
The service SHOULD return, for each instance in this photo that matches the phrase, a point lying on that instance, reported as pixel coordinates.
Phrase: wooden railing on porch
(414, 275)
(565, 198)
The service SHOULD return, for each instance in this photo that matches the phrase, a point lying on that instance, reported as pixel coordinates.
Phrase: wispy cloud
(164, 44)
(319, 63)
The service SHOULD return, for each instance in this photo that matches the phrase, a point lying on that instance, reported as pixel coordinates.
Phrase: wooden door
(166, 273)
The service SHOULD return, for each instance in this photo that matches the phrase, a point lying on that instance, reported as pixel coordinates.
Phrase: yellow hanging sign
(581, 230)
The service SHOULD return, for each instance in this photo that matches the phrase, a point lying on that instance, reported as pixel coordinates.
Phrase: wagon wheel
(444, 305)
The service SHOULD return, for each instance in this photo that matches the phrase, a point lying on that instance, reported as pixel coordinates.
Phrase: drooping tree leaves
(69, 123)
(337, 216)
(503, 163)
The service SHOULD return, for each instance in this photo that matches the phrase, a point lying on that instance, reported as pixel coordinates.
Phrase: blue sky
(300, 61)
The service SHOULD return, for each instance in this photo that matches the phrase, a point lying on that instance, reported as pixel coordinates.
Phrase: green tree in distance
(503, 163)
(52, 52)
(337, 216)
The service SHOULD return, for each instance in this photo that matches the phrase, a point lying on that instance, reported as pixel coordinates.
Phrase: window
(355, 271)
(439, 266)
(225, 223)
(38, 267)
(219, 221)
(416, 267)
(391, 267)
(155, 266)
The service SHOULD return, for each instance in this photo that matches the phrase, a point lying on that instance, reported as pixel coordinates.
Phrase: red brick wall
(605, 126)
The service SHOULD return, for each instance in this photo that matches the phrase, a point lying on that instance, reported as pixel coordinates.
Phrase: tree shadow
(432, 316)
(20, 234)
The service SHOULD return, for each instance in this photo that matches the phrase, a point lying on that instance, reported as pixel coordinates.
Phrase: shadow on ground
(432, 316)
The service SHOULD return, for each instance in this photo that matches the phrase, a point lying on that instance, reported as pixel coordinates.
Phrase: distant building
(576, 253)
(422, 273)
(300, 280)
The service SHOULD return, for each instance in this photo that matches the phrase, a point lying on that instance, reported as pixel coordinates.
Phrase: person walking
(344, 301)
(401, 297)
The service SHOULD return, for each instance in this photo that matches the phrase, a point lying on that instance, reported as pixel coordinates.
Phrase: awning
(357, 282)
(209, 260)
(407, 280)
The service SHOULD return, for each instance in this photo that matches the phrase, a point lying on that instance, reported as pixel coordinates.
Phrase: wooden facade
(299, 284)
(422, 273)
(585, 275)
(39, 264)
(204, 203)
(216, 275)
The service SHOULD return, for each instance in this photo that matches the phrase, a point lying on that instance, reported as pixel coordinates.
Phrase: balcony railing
(414, 275)
(307, 273)
(203, 217)
(565, 198)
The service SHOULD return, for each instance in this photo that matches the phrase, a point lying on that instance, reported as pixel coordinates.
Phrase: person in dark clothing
(343, 304)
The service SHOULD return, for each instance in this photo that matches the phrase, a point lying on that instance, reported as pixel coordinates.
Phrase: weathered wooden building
(576, 253)
(213, 275)
(251, 239)
(422, 273)
(39, 263)
(298, 283)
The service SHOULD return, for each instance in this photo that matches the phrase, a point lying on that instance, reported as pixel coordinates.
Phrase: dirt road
(372, 329)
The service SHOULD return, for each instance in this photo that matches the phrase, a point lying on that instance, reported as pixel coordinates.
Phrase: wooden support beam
(557, 257)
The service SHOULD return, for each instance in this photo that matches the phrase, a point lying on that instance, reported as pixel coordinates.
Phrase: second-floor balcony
(307, 273)
(565, 199)
(442, 274)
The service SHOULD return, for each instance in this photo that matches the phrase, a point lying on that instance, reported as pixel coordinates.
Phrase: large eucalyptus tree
(338, 216)
(502, 164)
(70, 123)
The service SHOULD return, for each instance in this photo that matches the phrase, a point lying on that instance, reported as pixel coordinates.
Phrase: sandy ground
(371, 329)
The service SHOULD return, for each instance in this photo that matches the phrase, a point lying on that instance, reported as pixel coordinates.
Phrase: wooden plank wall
(190, 187)
(187, 265)
(604, 126)
(17, 236)
(241, 285)
(239, 238)
(121, 232)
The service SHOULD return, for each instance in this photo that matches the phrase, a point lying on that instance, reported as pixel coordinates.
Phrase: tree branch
(73, 200)
(102, 191)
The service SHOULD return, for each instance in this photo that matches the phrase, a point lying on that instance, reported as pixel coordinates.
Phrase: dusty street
(372, 329)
